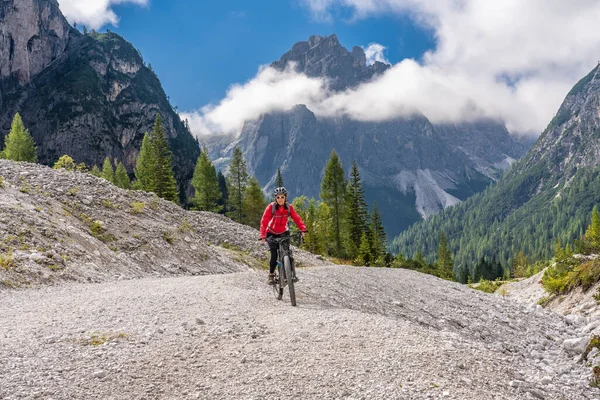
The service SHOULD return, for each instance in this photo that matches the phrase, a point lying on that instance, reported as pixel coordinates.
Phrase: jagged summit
(324, 56)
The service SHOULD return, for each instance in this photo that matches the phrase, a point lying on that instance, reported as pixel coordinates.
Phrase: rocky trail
(357, 333)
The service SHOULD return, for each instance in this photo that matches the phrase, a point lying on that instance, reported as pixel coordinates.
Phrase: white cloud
(512, 60)
(93, 13)
(270, 90)
(374, 52)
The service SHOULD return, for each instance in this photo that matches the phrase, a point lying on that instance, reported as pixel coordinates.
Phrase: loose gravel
(357, 333)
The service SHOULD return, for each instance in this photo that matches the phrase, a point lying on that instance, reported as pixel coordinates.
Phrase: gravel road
(357, 333)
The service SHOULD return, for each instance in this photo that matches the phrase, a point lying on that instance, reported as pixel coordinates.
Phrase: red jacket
(277, 224)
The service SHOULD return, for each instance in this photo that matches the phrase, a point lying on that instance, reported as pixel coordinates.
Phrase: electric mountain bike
(285, 273)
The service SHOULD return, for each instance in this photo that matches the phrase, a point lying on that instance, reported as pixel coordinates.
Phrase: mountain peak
(325, 57)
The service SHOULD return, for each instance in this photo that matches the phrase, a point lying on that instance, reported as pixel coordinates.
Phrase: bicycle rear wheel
(288, 276)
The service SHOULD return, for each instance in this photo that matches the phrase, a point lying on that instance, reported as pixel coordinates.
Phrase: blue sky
(512, 61)
(199, 48)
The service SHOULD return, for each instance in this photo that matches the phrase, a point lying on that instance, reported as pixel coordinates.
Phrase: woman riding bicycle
(274, 224)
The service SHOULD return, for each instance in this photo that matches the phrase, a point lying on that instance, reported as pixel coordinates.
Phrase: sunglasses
(280, 197)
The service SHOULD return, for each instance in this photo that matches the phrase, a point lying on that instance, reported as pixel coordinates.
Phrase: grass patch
(137, 207)
(154, 203)
(73, 191)
(7, 261)
(99, 339)
(487, 286)
(99, 232)
(24, 188)
(545, 300)
(229, 246)
(108, 204)
(168, 236)
(185, 226)
(2, 183)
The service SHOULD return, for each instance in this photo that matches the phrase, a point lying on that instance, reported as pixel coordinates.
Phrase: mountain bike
(285, 273)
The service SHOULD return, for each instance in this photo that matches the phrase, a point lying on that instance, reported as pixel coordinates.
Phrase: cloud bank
(93, 13)
(512, 60)
(374, 52)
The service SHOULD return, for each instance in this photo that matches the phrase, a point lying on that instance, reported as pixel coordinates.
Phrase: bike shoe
(271, 279)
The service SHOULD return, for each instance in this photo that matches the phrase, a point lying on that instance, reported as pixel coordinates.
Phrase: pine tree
(378, 236)
(520, 265)
(19, 145)
(107, 171)
(206, 184)
(254, 203)
(121, 177)
(237, 181)
(96, 171)
(81, 167)
(323, 232)
(356, 210)
(445, 263)
(65, 162)
(279, 181)
(364, 256)
(163, 179)
(144, 165)
(222, 202)
(592, 235)
(333, 193)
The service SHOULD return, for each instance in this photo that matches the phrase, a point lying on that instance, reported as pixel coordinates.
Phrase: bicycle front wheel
(277, 289)
(288, 276)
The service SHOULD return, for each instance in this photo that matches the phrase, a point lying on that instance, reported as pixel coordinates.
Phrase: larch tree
(121, 177)
(356, 210)
(279, 180)
(253, 203)
(237, 181)
(333, 193)
(163, 178)
(206, 184)
(143, 166)
(108, 172)
(445, 262)
(222, 202)
(19, 145)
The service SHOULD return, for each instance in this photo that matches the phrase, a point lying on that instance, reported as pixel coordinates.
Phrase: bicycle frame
(281, 279)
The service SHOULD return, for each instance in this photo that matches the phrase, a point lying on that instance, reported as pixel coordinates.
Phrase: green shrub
(186, 226)
(7, 261)
(168, 236)
(487, 286)
(137, 208)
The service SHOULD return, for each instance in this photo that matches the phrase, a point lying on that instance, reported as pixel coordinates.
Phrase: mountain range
(411, 167)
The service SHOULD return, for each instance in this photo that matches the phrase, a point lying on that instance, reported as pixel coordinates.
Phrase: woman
(274, 224)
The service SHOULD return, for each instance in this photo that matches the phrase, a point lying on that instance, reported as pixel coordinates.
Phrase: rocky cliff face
(410, 167)
(34, 34)
(570, 142)
(88, 96)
